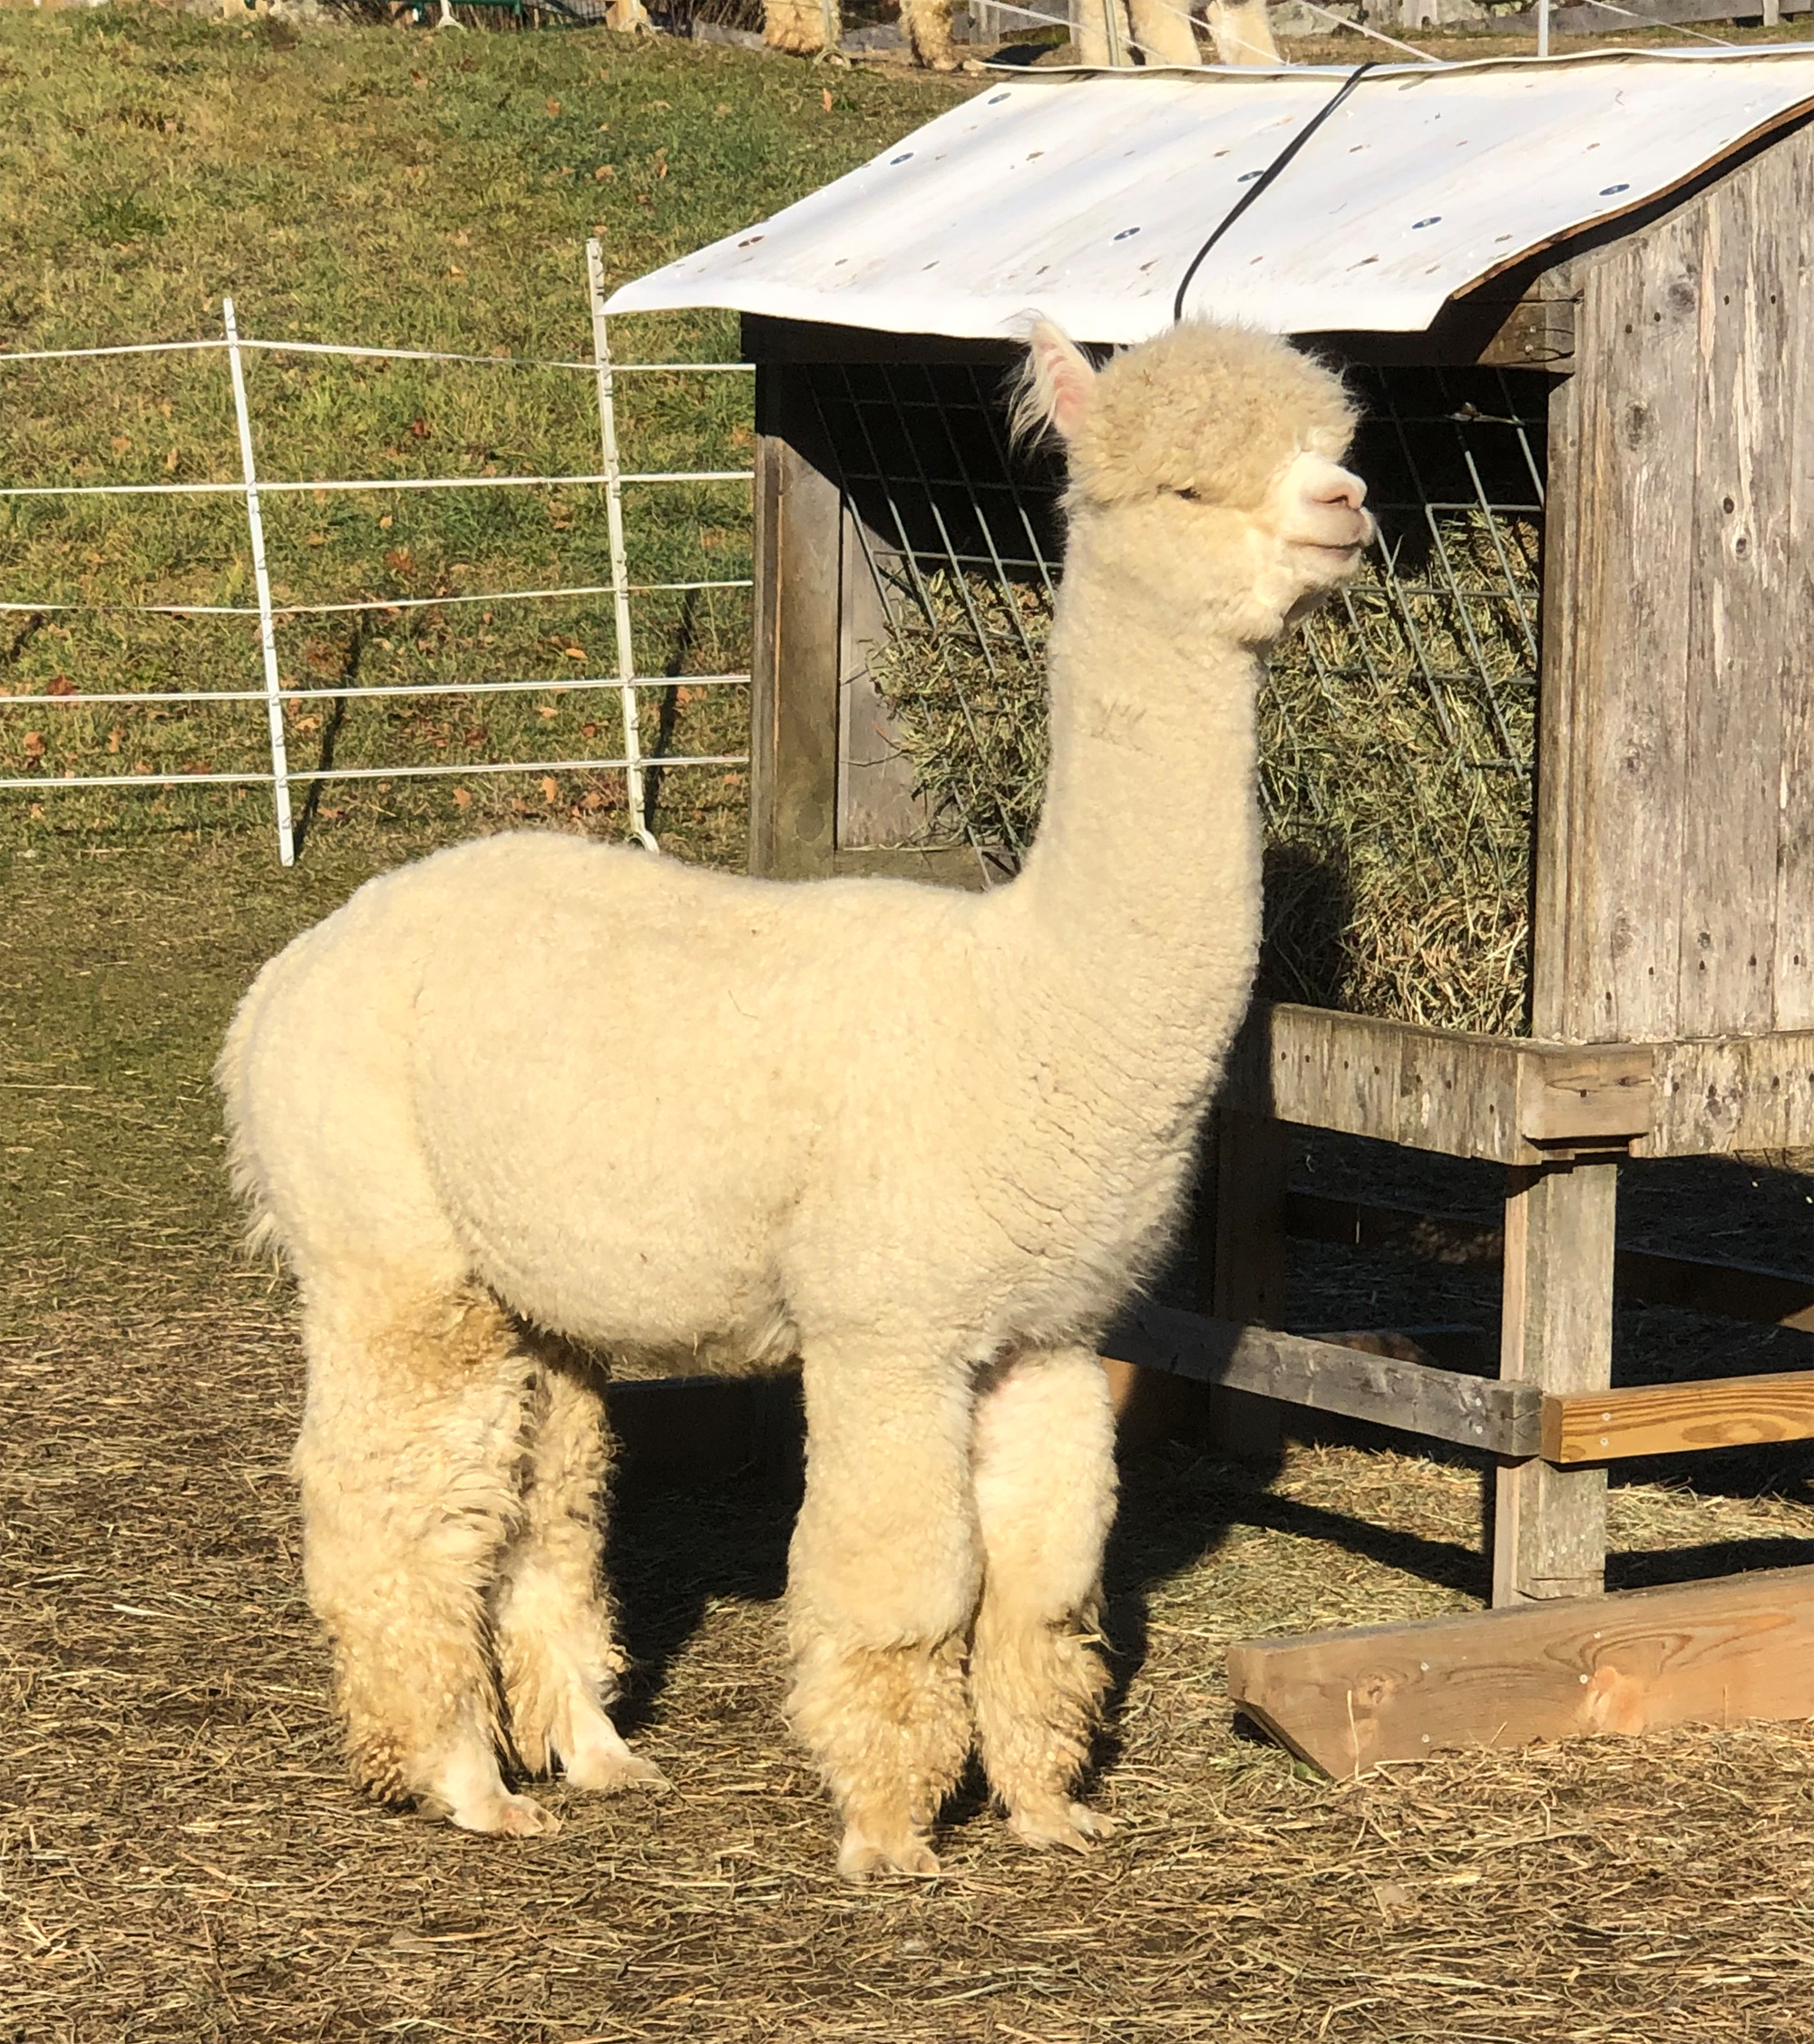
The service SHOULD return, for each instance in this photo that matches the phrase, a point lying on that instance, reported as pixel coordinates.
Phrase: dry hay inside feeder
(1396, 731)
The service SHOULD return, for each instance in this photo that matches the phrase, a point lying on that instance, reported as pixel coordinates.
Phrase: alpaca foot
(1073, 1826)
(602, 1763)
(509, 1817)
(906, 1852)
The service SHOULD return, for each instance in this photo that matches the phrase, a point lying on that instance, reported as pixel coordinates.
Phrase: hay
(1396, 731)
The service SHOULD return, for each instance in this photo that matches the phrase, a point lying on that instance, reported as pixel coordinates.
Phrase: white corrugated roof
(1084, 195)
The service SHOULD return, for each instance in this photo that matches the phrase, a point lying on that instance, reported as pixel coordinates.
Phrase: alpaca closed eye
(1189, 496)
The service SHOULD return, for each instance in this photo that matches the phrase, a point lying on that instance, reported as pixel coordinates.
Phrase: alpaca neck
(1140, 900)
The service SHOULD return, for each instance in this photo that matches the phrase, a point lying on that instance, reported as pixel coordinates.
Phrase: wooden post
(1550, 1524)
(1241, 1250)
(794, 674)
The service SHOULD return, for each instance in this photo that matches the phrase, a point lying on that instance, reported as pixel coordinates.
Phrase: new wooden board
(1714, 1652)
(1679, 1418)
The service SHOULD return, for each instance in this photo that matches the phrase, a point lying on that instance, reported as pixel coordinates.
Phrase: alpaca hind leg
(882, 1579)
(928, 24)
(409, 1465)
(800, 27)
(1242, 33)
(1162, 32)
(551, 1615)
(1100, 29)
(1044, 1472)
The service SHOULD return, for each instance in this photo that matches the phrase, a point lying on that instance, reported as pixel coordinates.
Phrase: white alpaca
(1161, 31)
(925, 1140)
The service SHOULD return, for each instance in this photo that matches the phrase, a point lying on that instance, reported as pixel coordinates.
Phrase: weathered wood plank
(876, 803)
(937, 865)
(1679, 1418)
(1577, 1095)
(1724, 1094)
(1414, 1397)
(1792, 972)
(1742, 638)
(795, 669)
(1243, 1259)
(1719, 1652)
(1550, 1524)
(1618, 567)
(1496, 1098)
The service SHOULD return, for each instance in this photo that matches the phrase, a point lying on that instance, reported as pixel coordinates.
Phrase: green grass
(396, 188)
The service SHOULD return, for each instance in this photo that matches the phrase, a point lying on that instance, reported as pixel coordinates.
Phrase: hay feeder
(1539, 790)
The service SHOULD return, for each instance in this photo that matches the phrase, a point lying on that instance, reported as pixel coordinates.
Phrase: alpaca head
(1207, 460)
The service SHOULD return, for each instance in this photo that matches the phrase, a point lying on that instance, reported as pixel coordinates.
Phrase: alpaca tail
(244, 1172)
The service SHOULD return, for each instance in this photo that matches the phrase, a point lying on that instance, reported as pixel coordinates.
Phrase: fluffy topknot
(1217, 411)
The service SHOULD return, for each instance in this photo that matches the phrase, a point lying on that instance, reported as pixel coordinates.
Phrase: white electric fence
(281, 775)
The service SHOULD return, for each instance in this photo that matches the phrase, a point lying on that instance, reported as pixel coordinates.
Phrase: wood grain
(1617, 572)
(1741, 636)
(1679, 1418)
(1501, 1099)
(1719, 1652)
(1414, 1397)
(1550, 1524)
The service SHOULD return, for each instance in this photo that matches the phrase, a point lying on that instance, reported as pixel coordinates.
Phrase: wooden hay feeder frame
(1623, 421)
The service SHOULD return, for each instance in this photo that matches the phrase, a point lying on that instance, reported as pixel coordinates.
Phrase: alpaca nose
(1337, 486)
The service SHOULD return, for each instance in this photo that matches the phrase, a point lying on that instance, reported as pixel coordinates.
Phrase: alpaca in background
(1160, 30)
(927, 1142)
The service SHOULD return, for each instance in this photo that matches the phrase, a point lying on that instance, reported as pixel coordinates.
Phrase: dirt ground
(182, 1857)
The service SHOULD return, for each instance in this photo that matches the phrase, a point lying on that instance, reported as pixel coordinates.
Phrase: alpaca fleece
(926, 1141)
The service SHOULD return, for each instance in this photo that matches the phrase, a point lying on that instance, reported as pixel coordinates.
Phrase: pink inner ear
(1065, 377)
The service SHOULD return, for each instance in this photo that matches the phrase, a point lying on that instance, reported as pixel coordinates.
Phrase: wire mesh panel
(1398, 728)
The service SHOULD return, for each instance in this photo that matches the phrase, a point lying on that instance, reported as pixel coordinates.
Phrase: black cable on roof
(1268, 174)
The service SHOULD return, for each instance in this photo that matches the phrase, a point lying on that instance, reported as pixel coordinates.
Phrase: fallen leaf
(825, 98)
(604, 171)
(61, 685)
(461, 798)
(34, 745)
(549, 790)
(554, 108)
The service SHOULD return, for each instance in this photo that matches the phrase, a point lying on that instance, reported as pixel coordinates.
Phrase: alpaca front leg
(1044, 1472)
(882, 1579)
(408, 1462)
(550, 1613)
(928, 24)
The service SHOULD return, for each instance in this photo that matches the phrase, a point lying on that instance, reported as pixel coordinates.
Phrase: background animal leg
(1242, 33)
(882, 1578)
(800, 27)
(409, 1465)
(1163, 32)
(928, 24)
(1045, 1499)
(551, 1612)
(1091, 25)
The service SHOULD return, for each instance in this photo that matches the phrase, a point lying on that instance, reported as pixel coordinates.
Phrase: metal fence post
(614, 526)
(268, 636)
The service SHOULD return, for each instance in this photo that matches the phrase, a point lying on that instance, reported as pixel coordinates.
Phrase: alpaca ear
(1056, 386)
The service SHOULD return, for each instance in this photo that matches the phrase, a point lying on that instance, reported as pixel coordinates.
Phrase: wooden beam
(1717, 1652)
(1550, 1524)
(938, 865)
(1242, 1262)
(1505, 1099)
(1504, 1419)
(1679, 1418)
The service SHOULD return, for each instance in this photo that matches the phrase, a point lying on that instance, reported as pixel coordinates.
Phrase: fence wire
(269, 615)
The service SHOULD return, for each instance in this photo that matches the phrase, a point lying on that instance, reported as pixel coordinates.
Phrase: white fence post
(268, 636)
(614, 526)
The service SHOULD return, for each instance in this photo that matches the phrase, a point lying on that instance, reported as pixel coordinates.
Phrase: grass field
(181, 1858)
(407, 190)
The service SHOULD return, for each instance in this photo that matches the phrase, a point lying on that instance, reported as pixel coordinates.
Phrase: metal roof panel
(1084, 195)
